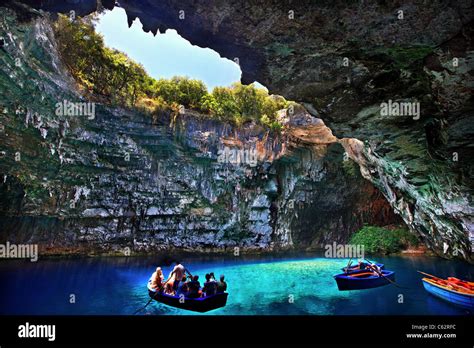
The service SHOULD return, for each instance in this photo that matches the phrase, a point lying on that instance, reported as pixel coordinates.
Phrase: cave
(328, 175)
(342, 164)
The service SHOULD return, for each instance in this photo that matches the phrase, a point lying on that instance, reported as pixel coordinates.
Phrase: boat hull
(349, 282)
(203, 304)
(454, 297)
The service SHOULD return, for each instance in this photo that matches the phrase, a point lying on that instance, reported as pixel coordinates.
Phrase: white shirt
(178, 272)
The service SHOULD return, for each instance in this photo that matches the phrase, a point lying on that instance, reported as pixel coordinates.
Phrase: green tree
(101, 70)
(381, 240)
(111, 74)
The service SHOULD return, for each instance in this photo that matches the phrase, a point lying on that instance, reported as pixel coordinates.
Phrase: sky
(168, 54)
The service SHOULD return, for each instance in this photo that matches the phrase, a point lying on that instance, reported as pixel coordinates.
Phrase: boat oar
(381, 275)
(348, 265)
(429, 275)
(153, 297)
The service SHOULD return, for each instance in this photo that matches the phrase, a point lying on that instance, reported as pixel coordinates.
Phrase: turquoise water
(256, 286)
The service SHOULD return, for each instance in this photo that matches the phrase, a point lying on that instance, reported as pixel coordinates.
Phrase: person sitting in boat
(362, 265)
(210, 286)
(157, 279)
(194, 288)
(168, 288)
(221, 285)
(182, 288)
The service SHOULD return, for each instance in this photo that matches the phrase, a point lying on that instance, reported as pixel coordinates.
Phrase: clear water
(256, 286)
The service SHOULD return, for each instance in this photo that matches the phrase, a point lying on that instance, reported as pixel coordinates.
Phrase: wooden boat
(357, 268)
(452, 290)
(202, 304)
(363, 279)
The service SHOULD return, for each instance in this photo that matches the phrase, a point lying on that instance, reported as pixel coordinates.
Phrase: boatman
(177, 274)
(374, 268)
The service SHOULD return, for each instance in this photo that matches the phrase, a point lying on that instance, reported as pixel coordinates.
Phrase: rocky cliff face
(344, 60)
(125, 180)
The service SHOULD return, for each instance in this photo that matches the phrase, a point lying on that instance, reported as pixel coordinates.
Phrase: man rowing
(374, 268)
(176, 275)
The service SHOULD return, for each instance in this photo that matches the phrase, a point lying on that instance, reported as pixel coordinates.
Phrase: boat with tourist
(364, 279)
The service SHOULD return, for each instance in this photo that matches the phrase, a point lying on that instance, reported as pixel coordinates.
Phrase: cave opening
(166, 54)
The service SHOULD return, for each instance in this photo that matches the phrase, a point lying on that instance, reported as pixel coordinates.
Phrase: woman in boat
(182, 287)
(157, 279)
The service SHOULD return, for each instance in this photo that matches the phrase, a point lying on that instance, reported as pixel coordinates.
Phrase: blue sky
(168, 54)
